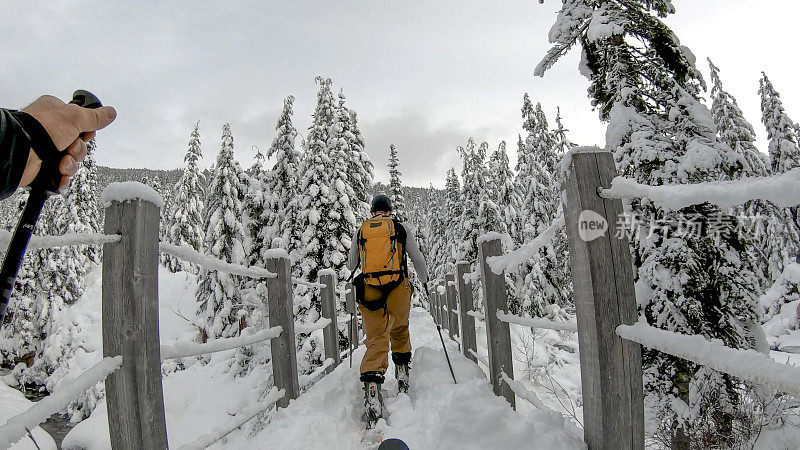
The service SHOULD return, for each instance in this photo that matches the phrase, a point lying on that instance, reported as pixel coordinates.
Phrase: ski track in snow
(435, 415)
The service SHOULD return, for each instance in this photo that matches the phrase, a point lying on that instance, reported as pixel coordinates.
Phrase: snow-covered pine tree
(506, 196)
(186, 218)
(487, 217)
(783, 140)
(218, 296)
(454, 205)
(359, 166)
(770, 228)
(646, 86)
(562, 142)
(284, 179)
(396, 186)
(259, 208)
(733, 129)
(534, 283)
(342, 221)
(81, 202)
(315, 204)
(435, 227)
(784, 146)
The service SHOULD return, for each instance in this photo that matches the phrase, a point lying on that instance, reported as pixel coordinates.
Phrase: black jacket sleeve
(15, 145)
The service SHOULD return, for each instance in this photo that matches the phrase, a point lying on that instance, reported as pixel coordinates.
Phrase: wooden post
(452, 305)
(134, 393)
(498, 335)
(281, 313)
(436, 308)
(444, 317)
(350, 304)
(440, 306)
(433, 303)
(330, 333)
(465, 304)
(611, 367)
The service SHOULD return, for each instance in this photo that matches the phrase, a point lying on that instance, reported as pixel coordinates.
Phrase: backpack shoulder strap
(402, 236)
(401, 233)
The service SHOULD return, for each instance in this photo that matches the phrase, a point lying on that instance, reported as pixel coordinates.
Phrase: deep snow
(436, 414)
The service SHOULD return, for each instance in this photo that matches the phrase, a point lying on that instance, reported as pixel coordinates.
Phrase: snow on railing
(480, 358)
(305, 380)
(783, 190)
(64, 240)
(476, 314)
(240, 419)
(526, 251)
(746, 364)
(186, 349)
(191, 255)
(17, 427)
(521, 391)
(309, 327)
(307, 283)
(537, 322)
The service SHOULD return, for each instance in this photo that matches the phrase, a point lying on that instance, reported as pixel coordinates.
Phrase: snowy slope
(436, 415)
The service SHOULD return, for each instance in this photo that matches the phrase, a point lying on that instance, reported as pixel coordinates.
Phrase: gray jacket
(411, 247)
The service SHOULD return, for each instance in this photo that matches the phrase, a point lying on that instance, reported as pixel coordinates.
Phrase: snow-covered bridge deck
(436, 414)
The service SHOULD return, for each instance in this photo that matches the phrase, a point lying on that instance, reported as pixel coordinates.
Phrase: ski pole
(45, 184)
(439, 328)
(352, 318)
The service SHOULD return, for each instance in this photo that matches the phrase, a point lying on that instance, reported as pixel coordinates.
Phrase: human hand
(70, 127)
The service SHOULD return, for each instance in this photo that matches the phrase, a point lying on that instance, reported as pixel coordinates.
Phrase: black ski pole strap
(42, 144)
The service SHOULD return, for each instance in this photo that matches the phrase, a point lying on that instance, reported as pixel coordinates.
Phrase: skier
(383, 292)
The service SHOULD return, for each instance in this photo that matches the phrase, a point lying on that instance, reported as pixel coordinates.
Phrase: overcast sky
(425, 75)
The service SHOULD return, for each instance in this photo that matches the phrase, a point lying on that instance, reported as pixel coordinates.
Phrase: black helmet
(381, 203)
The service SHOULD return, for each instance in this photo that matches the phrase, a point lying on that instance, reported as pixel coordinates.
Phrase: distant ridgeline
(108, 175)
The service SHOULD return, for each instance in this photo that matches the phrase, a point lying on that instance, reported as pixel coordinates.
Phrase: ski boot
(373, 398)
(401, 367)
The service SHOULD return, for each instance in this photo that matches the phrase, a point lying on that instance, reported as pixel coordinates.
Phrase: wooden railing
(611, 368)
(130, 326)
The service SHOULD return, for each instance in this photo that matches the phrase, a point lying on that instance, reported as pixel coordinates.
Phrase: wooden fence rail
(465, 305)
(611, 367)
(131, 326)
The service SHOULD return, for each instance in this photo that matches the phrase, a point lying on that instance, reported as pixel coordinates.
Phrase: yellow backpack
(381, 242)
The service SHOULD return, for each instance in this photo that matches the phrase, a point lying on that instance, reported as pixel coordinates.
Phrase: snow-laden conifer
(475, 191)
(506, 197)
(784, 143)
(359, 166)
(315, 202)
(648, 91)
(396, 186)
(453, 208)
(783, 140)
(284, 179)
(186, 217)
(770, 228)
(218, 295)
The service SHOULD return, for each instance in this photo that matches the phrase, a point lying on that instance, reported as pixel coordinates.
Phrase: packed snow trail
(437, 414)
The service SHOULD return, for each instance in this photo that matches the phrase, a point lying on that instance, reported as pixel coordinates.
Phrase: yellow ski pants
(383, 327)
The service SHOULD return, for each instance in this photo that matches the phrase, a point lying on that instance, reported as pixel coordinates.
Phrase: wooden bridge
(611, 368)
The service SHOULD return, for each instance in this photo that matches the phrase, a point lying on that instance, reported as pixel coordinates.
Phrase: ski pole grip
(49, 177)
